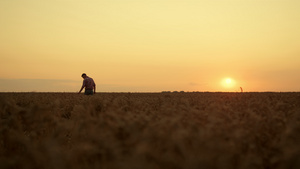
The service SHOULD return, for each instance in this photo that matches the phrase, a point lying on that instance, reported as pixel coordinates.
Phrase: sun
(228, 83)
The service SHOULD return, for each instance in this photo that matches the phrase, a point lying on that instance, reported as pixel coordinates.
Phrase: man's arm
(83, 85)
(94, 88)
(80, 89)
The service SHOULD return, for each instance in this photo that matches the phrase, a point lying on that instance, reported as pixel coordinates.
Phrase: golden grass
(150, 130)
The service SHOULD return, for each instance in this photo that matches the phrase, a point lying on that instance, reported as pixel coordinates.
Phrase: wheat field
(150, 130)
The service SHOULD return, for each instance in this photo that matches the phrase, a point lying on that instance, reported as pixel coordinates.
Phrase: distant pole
(241, 89)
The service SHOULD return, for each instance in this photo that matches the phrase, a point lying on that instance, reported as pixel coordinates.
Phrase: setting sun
(228, 83)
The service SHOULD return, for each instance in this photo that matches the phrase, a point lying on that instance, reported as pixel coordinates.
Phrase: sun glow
(228, 83)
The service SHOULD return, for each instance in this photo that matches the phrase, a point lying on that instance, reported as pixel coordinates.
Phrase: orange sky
(150, 45)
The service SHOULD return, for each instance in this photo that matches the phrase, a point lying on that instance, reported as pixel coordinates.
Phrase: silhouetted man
(88, 84)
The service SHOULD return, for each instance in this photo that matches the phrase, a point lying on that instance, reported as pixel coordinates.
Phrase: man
(88, 84)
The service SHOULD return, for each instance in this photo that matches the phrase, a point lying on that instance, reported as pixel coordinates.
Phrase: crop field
(150, 130)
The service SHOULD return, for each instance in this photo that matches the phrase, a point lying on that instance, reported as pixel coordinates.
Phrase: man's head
(83, 75)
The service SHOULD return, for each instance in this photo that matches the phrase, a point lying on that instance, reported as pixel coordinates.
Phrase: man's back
(88, 83)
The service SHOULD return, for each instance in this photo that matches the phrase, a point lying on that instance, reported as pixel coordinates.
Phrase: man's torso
(88, 83)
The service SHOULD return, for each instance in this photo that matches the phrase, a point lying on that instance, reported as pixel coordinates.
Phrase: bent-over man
(88, 84)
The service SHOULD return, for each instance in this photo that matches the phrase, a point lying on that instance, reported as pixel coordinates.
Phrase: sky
(150, 45)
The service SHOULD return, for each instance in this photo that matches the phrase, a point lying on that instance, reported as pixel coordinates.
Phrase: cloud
(39, 85)
(196, 84)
